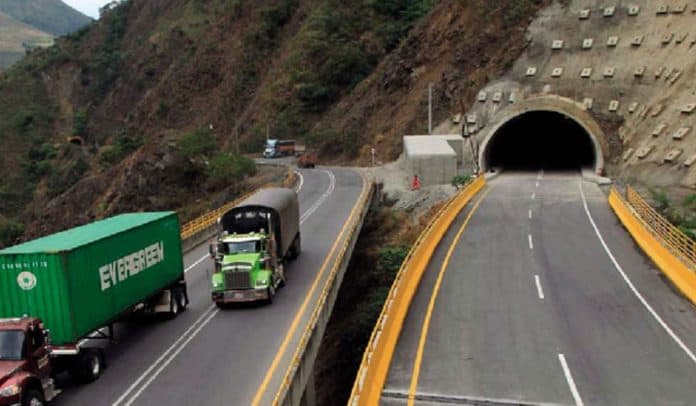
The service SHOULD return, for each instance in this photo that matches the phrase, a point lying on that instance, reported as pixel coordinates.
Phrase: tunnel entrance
(541, 140)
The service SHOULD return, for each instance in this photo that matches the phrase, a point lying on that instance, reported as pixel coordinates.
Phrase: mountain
(16, 37)
(51, 16)
(153, 106)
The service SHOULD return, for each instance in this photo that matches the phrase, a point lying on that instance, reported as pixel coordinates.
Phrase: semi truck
(257, 238)
(62, 292)
(279, 148)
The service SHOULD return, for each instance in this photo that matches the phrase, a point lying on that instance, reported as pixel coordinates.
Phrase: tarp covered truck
(279, 148)
(258, 237)
(58, 290)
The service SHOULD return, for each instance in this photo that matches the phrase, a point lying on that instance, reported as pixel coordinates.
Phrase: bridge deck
(589, 340)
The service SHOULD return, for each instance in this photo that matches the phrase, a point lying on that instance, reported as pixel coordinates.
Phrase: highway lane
(148, 355)
(532, 310)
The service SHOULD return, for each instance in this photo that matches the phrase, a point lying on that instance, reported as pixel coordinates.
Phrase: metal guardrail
(672, 237)
(363, 202)
(380, 349)
(201, 223)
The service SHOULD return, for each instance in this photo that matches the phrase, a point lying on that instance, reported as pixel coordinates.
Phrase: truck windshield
(243, 247)
(11, 342)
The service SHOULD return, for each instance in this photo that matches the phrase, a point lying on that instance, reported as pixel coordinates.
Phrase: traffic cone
(416, 184)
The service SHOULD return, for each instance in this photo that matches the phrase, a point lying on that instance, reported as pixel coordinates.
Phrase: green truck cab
(258, 237)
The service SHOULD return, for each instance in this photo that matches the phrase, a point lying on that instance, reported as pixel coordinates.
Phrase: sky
(89, 7)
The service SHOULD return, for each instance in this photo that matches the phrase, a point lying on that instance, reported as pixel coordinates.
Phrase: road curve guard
(671, 250)
(374, 368)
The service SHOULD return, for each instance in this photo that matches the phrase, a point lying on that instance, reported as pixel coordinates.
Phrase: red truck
(26, 368)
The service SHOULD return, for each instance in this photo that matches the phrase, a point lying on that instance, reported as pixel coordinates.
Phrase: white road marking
(299, 187)
(533, 196)
(530, 213)
(571, 382)
(322, 199)
(537, 184)
(540, 291)
(635, 291)
(540, 175)
(173, 351)
(147, 372)
(195, 264)
(171, 358)
(531, 243)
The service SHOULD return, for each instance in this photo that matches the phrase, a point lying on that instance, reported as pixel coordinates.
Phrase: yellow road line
(431, 305)
(296, 321)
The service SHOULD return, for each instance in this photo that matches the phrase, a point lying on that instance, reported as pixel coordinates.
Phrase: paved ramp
(531, 308)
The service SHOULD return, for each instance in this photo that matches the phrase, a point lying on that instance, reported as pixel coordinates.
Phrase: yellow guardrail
(661, 241)
(378, 354)
(201, 223)
(361, 204)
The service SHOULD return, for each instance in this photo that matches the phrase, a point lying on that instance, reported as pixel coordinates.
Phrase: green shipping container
(81, 279)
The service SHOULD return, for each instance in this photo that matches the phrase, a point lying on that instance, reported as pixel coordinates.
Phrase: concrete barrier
(670, 264)
(374, 368)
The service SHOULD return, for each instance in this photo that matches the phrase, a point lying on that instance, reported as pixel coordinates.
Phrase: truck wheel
(181, 299)
(88, 366)
(33, 398)
(174, 304)
(270, 296)
(296, 248)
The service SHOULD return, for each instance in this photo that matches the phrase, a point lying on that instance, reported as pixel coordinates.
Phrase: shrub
(10, 231)
(461, 180)
(227, 170)
(196, 143)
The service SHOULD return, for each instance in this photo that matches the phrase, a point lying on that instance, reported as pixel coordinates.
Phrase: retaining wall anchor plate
(659, 129)
(584, 14)
(689, 108)
(667, 38)
(639, 72)
(609, 11)
(612, 41)
(609, 72)
(672, 155)
(531, 71)
(588, 102)
(662, 9)
(587, 43)
(633, 10)
(681, 133)
(614, 106)
(679, 9)
(557, 44)
(586, 73)
(633, 107)
(627, 154)
(637, 40)
(690, 161)
(497, 97)
(557, 72)
(644, 151)
(656, 110)
(482, 96)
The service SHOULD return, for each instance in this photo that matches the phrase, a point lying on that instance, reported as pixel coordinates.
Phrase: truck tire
(295, 248)
(33, 397)
(182, 300)
(269, 291)
(174, 304)
(88, 366)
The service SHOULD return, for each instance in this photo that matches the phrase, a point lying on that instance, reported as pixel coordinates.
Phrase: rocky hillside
(153, 106)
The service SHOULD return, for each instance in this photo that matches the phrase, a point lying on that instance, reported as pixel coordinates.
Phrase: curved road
(532, 309)
(213, 357)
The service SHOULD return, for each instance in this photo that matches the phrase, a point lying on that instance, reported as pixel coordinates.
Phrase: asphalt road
(531, 309)
(212, 357)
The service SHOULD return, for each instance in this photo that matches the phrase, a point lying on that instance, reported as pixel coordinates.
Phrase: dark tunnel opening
(541, 140)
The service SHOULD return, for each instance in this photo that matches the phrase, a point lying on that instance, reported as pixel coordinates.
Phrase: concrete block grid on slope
(635, 61)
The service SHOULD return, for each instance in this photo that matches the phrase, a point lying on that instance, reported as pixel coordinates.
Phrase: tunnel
(540, 140)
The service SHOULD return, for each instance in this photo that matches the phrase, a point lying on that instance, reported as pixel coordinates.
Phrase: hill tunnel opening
(541, 140)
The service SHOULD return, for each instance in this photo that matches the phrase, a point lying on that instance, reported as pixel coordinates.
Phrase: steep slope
(95, 124)
(51, 16)
(16, 37)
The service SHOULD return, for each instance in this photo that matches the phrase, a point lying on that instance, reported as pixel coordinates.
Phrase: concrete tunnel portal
(537, 140)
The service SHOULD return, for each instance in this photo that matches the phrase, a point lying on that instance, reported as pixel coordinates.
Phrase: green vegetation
(683, 215)
(461, 180)
(10, 231)
(123, 146)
